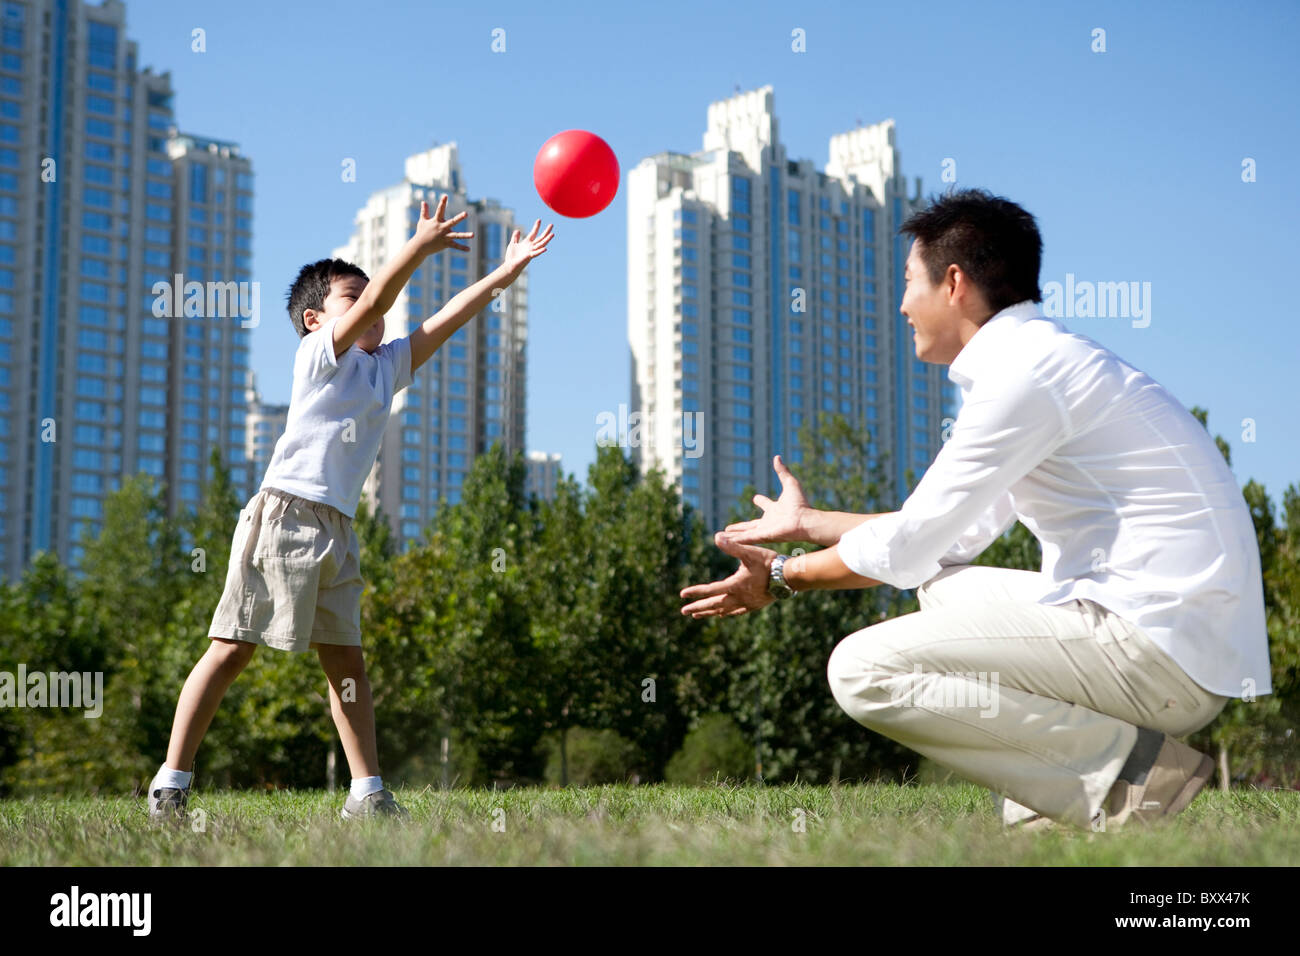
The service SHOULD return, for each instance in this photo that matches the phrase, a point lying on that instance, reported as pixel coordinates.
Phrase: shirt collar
(983, 346)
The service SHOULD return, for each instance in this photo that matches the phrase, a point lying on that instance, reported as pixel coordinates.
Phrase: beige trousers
(1039, 703)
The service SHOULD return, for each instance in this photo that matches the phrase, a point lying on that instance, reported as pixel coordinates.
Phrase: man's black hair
(313, 285)
(991, 239)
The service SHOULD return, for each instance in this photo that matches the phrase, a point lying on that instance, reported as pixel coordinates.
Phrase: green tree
(414, 657)
(714, 748)
(1253, 739)
(42, 627)
(486, 654)
(639, 551)
(563, 619)
(779, 692)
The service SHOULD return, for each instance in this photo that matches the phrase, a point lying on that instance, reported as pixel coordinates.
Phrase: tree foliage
(521, 640)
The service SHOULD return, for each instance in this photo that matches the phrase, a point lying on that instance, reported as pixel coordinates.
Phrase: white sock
(364, 786)
(173, 779)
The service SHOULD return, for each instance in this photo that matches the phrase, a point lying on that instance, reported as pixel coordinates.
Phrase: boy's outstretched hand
(434, 234)
(522, 251)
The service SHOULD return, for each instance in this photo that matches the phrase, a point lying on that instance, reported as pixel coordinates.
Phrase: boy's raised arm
(431, 235)
(443, 324)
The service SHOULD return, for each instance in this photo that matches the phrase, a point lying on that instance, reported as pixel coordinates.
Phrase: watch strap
(776, 585)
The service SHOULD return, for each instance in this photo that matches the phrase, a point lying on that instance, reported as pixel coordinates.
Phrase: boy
(294, 581)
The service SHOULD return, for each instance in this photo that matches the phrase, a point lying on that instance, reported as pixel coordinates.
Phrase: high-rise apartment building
(470, 394)
(212, 248)
(107, 367)
(543, 474)
(263, 427)
(761, 292)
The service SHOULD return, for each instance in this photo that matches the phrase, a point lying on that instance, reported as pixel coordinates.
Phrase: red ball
(576, 173)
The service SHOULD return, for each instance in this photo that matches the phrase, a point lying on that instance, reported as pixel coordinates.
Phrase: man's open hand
(744, 591)
(783, 519)
(434, 234)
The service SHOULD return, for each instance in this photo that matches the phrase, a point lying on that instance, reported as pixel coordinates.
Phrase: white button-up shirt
(1127, 493)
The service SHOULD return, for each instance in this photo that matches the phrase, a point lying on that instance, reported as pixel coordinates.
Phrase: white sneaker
(378, 804)
(167, 805)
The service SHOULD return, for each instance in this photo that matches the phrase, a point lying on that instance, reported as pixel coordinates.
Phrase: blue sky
(1130, 159)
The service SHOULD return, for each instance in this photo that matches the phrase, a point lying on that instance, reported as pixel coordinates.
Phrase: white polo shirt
(1127, 493)
(337, 414)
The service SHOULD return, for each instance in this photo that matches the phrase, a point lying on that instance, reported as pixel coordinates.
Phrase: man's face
(344, 291)
(930, 312)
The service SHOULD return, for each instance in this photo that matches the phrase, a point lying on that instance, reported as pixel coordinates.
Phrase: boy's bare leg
(201, 695)
(354, 716)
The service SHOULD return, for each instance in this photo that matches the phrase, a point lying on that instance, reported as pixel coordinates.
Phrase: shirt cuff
(864, 553)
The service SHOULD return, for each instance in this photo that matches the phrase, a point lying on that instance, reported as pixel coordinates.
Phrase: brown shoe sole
(1204, 770)
(1037, 823)
(1195, 783)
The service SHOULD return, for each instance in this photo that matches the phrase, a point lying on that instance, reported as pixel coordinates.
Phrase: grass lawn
(851, 825)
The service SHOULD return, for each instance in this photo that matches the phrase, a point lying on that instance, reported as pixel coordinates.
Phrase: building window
(103, 45)
(198, 182)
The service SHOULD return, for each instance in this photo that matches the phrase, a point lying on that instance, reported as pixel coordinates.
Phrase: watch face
(776, 583)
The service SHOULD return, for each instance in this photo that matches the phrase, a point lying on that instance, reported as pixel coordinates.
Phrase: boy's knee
(233, 653)
(340, 657)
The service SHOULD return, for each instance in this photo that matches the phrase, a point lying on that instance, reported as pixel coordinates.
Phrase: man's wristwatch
(776, 585)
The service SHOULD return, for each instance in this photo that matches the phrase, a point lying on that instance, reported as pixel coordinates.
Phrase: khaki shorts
(294, 578)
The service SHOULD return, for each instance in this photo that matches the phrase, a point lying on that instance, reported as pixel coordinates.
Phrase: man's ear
(310, 319)
(954, 282)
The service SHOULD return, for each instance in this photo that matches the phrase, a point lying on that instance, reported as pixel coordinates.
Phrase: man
(1062, 690)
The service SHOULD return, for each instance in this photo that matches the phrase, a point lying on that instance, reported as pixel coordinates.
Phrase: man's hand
(744, 591)
(433, 234)
(783, 519)
(520, 252)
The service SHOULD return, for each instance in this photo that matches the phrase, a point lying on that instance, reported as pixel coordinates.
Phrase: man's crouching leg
(1045, 754)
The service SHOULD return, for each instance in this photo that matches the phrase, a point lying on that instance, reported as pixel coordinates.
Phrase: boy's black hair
(313, 285)
(992, 240)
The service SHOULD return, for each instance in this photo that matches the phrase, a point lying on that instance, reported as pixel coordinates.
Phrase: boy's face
(344, 291)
